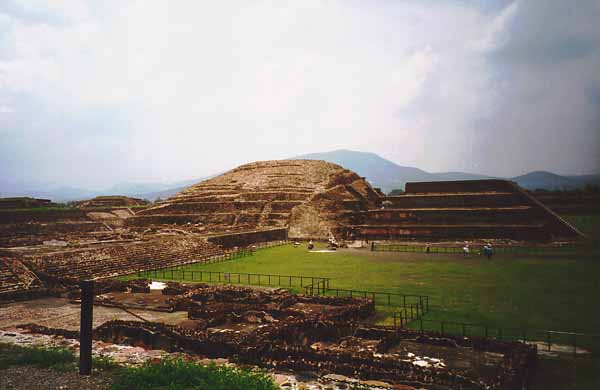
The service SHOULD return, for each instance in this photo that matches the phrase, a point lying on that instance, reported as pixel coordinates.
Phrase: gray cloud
(154, 91)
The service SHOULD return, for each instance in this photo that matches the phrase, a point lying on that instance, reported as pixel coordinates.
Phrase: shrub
(180, 374)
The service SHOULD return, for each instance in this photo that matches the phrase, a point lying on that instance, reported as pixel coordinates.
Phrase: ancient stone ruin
(111, 201)
(474, 209)
(280, 331)
(47, 252)
(303, 196)
(24, 202)
(260, 202)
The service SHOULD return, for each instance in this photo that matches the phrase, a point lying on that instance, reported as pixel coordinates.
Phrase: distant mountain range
(388, 175)
(380, 172)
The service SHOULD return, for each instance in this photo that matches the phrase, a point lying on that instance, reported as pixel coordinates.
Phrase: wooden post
(85, 330)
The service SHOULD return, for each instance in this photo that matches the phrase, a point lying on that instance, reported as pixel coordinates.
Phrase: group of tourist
(487, 251)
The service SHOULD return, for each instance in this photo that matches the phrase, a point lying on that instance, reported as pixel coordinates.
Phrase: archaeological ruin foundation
(46, 254)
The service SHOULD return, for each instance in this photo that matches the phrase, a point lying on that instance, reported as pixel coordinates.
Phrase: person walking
(488, 251)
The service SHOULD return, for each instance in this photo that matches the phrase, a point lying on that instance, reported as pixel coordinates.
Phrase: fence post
(421, 321)
(442, 328)
(575, 344)
(85, 327)
(548, 338)
(389, 299)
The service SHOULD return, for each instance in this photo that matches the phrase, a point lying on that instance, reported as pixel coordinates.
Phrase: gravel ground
(29, 378)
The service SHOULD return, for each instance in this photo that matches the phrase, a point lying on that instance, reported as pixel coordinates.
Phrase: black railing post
(85, 330)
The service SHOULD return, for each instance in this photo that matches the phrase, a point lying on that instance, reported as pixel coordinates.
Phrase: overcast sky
(94, 93)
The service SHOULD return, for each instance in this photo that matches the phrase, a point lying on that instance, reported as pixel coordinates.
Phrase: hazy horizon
(93, 94)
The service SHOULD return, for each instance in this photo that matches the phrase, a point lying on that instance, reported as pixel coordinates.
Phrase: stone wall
(247, 238)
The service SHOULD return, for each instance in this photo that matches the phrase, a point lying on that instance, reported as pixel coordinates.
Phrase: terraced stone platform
(16, 280)
(304, 196)
(474, 209)
(113, 259)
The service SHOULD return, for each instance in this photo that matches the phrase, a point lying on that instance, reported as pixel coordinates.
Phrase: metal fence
(270, 244)
(272, 280)
(378, 247)
(547, 340)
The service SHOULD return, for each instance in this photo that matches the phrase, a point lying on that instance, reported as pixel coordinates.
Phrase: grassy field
(509, 291)
(554, 291)
(537, 291)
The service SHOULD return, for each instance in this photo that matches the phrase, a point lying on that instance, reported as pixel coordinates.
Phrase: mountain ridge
(380, 172)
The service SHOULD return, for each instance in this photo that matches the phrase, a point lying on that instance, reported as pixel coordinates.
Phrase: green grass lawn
(554, 290)
(537, 291)
(509, 291)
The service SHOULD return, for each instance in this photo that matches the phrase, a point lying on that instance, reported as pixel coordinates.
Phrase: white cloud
(172, 90)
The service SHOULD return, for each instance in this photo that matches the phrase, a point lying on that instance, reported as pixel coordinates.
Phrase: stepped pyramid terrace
(303, 196)
(472, 209)
(259, 202)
